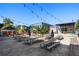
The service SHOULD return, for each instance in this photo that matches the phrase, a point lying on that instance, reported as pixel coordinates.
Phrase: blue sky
(22, 15)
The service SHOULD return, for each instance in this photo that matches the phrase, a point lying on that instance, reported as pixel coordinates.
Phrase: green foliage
(33, 29)
(39, 29)
(20, 29)
(7, 23)
(42, 30)
(77, 24)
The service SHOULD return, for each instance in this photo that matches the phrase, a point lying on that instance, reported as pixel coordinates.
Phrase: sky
(20, 13)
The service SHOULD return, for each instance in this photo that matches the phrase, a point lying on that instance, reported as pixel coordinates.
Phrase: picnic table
(50, 44)
(54, 45)
(32, 40)
(19, 38)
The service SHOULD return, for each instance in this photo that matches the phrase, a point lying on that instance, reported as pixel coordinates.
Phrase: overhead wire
(43, 9)
(37, 15)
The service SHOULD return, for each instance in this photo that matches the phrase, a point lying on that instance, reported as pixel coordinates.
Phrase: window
(64, 29)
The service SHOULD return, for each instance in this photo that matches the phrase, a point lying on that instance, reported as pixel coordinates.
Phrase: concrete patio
(10, 47)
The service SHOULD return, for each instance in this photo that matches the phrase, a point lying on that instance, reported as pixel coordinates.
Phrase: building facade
(67, 27)
(6, 31)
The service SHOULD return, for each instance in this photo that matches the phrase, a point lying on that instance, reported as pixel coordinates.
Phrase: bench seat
(53, 46)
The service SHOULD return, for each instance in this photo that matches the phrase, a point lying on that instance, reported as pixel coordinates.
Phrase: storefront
(7, 32)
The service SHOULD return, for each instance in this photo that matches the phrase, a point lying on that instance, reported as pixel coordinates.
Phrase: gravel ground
(9, 47)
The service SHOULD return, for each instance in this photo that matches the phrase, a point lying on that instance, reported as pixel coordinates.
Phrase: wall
(67, 28)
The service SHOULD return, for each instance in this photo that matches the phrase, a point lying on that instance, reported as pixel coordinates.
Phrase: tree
(39, 29)
(42, 30)
(77, 27)
(20, 29)
(77, 24)
(7, 23)
(33, 29)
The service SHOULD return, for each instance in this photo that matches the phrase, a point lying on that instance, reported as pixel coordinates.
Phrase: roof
(66, 23)
(9, 28)
(41, 23)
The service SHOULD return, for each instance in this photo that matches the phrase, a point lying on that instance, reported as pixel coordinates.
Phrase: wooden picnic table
(32, 40)
(54, 45)
(19, 38)
(48, 45)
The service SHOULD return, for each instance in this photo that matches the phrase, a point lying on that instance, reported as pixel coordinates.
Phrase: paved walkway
(13, 48)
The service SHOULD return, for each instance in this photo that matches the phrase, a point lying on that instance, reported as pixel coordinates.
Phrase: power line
(43, 9)
(34, 12)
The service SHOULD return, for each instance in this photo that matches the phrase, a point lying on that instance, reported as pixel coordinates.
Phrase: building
(11, 31)
(67, 27)
(50, 27)
(8, 31)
